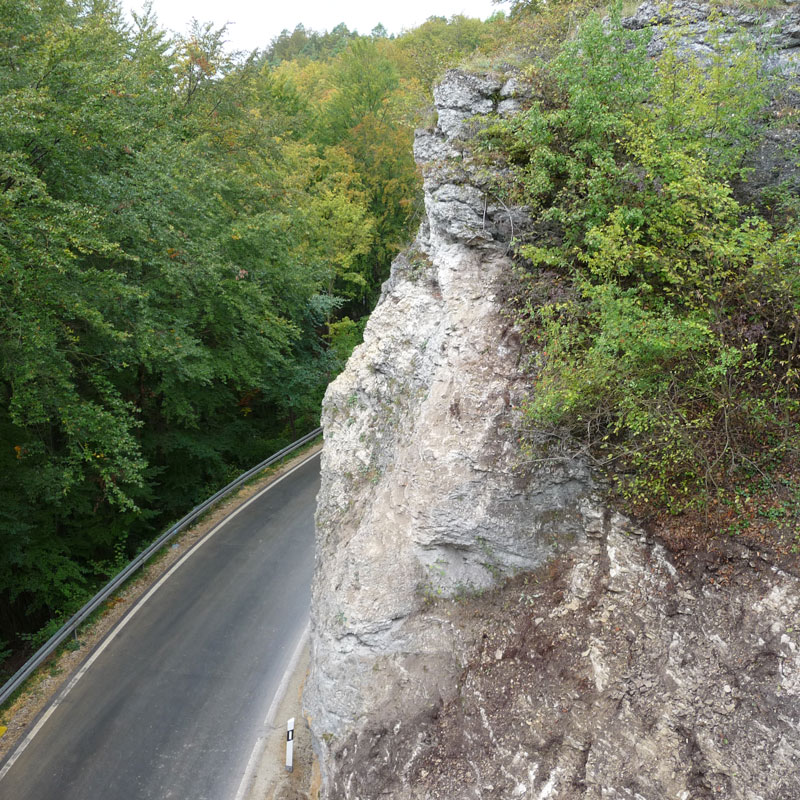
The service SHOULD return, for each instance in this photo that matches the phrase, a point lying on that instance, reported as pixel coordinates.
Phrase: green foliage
(358, 118)
(425, 53)
(364, 97)
(363, 80)
(710, 107)
(5, 652)
(662, 314)
(344, 336)
(158, 286)
(523, 8)
(190, 241)
(301, 44)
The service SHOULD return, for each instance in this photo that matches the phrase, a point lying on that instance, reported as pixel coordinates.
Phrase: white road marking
(20, 749)
(261, 741)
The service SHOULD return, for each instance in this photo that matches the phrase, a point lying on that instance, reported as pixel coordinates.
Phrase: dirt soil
(48, 680)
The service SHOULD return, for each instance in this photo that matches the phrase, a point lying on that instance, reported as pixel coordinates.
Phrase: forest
(190, 242)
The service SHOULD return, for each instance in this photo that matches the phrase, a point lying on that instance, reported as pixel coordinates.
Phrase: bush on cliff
(662, 314)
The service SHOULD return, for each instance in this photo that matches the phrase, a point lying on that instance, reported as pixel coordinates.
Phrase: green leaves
(665, 355)
(363, 80)
(135, 330)
(710, 104)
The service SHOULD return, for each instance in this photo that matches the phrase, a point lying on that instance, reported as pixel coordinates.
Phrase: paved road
(172, 706)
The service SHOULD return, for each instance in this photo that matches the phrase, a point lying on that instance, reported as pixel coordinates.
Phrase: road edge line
(261, 742)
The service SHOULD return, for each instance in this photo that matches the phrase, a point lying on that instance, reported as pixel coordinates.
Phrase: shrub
(663, 316)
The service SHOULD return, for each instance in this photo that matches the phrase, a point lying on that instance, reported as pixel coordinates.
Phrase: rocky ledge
(605, 675)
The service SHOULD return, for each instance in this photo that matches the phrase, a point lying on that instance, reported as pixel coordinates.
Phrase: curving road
(171, 703)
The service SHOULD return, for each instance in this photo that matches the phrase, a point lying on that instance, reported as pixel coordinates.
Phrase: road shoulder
(270, 780)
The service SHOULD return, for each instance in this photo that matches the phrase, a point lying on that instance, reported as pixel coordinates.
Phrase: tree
(363, 80)
(142, 350)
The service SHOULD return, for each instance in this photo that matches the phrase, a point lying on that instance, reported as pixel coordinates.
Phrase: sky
(252, 24)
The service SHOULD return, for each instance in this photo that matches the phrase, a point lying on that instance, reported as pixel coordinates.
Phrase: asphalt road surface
(172, 705)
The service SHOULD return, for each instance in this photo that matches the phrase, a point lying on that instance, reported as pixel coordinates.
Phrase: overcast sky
(253, 24)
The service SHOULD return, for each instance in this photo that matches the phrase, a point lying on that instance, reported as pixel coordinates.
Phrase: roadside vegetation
(659, 296)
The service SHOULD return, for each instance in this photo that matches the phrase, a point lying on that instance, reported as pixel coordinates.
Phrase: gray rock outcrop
(601, 672)
(777, 25)
(606, 675)
(423, 490)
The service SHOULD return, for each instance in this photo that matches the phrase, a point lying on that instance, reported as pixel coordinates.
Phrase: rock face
(606, 675)
(423, 493)
(598, 672)
(778, 24)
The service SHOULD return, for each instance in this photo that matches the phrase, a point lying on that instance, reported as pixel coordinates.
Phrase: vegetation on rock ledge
(662, 312)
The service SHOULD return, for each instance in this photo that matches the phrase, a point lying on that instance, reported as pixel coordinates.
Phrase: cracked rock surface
(777, 24)
(606, 674)
(423, 494)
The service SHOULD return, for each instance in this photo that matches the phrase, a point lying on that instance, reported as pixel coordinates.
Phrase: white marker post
(289, 744)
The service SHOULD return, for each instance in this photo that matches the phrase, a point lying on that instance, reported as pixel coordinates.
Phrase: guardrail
(74, 622)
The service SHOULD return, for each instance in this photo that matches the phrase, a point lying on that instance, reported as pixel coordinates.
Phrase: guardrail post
(289, 744)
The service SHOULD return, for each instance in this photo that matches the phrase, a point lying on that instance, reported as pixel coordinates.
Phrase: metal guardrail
(74, 622)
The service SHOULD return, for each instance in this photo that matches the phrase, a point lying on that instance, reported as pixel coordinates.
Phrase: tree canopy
(189, 243)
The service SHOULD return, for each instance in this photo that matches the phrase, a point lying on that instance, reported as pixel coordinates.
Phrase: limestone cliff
(600, 671)
(423, 493)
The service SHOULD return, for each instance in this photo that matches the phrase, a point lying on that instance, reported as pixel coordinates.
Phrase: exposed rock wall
(423, 493)
(777, 25)
(614, 676)
(606, 675)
